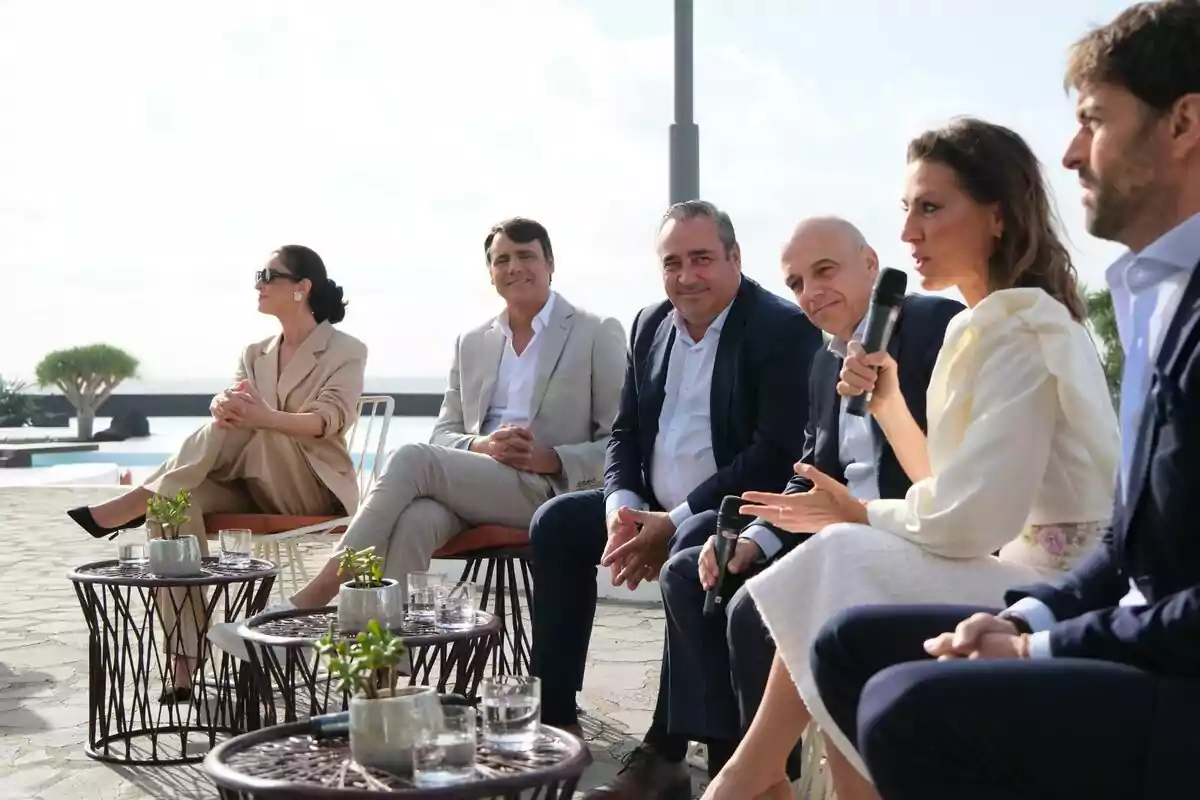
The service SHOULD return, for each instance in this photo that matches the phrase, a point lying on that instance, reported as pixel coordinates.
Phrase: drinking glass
(456, 608)
(512, 712)
(423, 590)
(236, 547)
(132, 550)
(444, 741)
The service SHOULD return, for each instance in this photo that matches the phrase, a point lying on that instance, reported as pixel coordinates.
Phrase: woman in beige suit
(276, 443)
(527, 414)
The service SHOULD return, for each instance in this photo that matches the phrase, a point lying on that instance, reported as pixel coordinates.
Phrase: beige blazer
(324, 377)
(575, 396)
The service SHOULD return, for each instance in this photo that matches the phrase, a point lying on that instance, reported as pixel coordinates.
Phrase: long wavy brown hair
(995, 165)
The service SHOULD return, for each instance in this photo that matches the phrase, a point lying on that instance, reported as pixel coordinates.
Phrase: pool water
(167, 433)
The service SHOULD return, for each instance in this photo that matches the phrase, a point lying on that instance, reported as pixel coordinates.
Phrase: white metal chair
(277, 536)
(814, 780)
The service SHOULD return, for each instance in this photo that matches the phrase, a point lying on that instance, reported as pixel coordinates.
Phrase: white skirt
(849, 565)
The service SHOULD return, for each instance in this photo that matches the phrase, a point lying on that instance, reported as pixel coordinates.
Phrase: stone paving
(43, 666)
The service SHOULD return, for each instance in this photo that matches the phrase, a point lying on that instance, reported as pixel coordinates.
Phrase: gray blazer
(580, 370)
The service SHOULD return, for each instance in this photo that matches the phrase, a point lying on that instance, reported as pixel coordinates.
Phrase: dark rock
(126, 425)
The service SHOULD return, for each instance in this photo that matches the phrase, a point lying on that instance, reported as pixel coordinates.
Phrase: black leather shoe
(646, 774)
(84, 519)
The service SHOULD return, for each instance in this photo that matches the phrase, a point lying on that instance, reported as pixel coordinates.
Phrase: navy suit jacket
(1155, 536)
(759, 398)
(915, 344)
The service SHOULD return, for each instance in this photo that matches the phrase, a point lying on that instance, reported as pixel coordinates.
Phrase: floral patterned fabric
(1054, 548)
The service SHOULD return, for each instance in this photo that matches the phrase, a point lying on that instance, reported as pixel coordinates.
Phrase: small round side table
(286, 761)
(288, 671)
(129, 665)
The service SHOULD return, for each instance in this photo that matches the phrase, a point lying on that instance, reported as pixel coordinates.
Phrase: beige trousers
(428, 493)
(230, 471)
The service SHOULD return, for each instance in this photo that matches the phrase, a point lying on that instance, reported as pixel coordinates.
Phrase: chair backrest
(367, 441)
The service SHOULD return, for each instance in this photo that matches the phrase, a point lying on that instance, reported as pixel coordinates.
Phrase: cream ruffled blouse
(1020, 418)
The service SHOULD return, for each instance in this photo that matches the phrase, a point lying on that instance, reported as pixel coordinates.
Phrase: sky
(153, 154)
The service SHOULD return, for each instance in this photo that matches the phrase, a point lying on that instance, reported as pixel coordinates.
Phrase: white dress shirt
(683, 451)
(856, 453)
(856, 439)
(1178, 249)
(513, 394)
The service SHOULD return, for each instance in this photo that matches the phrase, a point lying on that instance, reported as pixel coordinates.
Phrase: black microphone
(730, 523)
(881, 318)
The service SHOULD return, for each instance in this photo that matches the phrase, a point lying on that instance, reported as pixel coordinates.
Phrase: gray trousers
(428, 493)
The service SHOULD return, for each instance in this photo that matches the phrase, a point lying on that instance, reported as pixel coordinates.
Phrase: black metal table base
(293, 685)
(506, 581)
(129, 664)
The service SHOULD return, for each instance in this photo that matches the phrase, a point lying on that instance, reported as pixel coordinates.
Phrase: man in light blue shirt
(1088, 687)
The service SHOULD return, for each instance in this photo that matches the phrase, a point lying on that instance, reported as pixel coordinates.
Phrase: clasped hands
(638, 543)
(979, 636)
(514, 446)
(240, 406)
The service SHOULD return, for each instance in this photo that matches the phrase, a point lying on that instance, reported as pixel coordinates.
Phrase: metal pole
(684, 134)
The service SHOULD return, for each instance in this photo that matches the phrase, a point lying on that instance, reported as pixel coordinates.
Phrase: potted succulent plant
(367, 595)
(381, 714)
(172, 555)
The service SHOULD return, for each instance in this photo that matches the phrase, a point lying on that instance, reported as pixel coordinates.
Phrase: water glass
(423, 591)
(512, 712)
(456, 608)
(132, 550)
(236, 547)
(444, 743)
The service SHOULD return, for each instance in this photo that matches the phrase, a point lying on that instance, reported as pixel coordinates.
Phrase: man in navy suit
(717, 666)
(714, 403)
(1089, 687)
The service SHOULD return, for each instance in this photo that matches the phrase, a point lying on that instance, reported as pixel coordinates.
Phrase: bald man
(719, 666)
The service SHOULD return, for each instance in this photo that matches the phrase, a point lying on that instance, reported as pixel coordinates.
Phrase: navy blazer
(759, 398)
(916, 341)
(1154, 538)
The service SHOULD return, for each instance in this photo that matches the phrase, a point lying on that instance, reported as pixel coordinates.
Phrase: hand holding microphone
(868, 373)
(726, 549)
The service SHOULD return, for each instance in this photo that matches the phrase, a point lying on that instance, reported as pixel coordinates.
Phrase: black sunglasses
(267, 275)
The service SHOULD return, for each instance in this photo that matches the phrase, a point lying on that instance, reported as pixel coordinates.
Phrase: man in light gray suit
(527, 414)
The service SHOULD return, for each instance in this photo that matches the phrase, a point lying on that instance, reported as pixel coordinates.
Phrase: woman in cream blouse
(1020, 457)
(276, 443)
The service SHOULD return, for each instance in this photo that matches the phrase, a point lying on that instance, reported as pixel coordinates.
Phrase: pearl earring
(297, 296)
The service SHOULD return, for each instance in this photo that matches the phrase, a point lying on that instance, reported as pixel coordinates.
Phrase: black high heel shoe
(174, 695)
(84, 519)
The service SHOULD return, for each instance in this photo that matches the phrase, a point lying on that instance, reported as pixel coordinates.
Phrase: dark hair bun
(327, 303)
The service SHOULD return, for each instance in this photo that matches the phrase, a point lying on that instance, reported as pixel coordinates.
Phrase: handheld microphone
(330, 726)
(730, 523)
(881, 319)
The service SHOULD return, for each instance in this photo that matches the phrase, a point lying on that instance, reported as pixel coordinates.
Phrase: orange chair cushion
(263, 523)
(482, 538)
